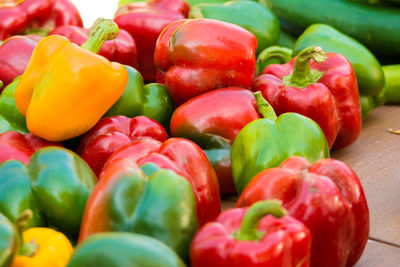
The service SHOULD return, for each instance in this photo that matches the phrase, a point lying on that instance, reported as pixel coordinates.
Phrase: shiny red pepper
(327, 197)
(186, 159)
(122, 49)
(145, 21)
(198, 51)
(14, 145)
(214, 124)
(325, 91)
(262, 235)
(112, 133)
(19, 17)
(15, 53)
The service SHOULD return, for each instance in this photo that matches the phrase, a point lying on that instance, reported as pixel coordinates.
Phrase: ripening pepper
(154, 202)
(262, 235)
(265, 143)
(123, 249)
(55, 185)
(214, 124)
(19, 17)
(198, 60)
(112, 133)
(144, 21)
(66, 89)
(327, 197)
(322, 87)
(186, 159)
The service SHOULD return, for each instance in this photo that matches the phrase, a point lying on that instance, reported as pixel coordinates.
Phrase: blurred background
(90, 10)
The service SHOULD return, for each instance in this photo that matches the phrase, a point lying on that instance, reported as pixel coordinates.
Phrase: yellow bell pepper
(66, 89)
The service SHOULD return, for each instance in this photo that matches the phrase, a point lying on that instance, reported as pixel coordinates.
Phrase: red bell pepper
(122, 49)
(15, 53)
(262, 235)
(198, 53)
(14, 145)
(214, 124)
(18, 17)
(112, 133)
(327, 197)
(324, 90)
(145, 21)
(186, 159)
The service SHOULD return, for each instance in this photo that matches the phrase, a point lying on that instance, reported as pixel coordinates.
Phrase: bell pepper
(57, 182)
(127, 249)
(370, 76)
(186, 159)
(262, 235)
(156, 202)
(112, 133)
(151, 100)
(122, 49)
(327, 197)
(392, 85)
(324, 89)
(265, 143)
(9, 241)
(273, 55)
(15, 53)
(14, 145)
(56, 92)
(214, 125)
(24, 16)
(250, 15)
(198, 50)
(144, 21)
(10, 118)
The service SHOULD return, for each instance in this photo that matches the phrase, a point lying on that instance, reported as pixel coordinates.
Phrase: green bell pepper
(368, 70)
(250, 15)
(123, 249)
(265, 143)
(286, 39)
(392, 86)
(152, 100)
(9, 241)
(10, 118)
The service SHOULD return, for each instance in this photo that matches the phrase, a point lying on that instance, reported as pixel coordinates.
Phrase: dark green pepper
(265, 143)
(152, 100)
(286, 39)
(250, 15)
(9, 241)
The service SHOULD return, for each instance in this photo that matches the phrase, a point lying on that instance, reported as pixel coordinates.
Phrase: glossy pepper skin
(151, 100)
(214, 125)
(15, 53)
(122, 49)
(392, 85)
(186, 159)
(9, 241)
(262, 235)
(250, 15)
(14, 145)
(112, 133)
(265, 143)
(56, 92)
(327, 197)
(145, 21)
(34, 15)
(123, 249)
(197, 51)
(320, 86)
(154, 202)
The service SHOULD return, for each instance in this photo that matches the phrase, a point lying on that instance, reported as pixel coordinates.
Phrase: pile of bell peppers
(118, 142)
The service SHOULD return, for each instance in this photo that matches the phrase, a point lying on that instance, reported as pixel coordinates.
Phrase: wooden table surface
(375, 157)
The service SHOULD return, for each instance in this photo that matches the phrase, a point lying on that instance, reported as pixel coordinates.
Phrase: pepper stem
(248, 230)
(26, 249)
(282, 54)
(264, 107)
(101, 31)
(302, 76)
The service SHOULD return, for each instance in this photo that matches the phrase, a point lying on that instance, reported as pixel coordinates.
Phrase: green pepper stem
(101, 31)
(282, 54)
(25, 249)
(264, 107)
(248, 230)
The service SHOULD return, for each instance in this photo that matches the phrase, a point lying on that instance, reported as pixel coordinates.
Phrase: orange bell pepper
(66, 89)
